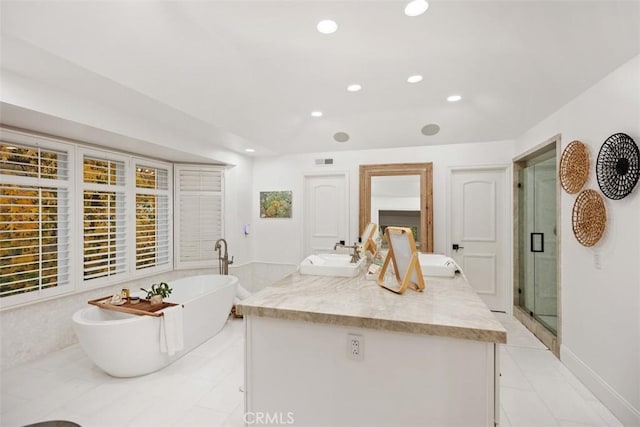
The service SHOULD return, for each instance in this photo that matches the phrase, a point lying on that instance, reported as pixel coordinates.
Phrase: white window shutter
(74, 218)
(104, 215)
(153, 232)
(199, 214)
(35, 221)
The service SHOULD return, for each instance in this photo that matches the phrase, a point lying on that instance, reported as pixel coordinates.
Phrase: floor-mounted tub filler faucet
(223, 264)
(223, 259)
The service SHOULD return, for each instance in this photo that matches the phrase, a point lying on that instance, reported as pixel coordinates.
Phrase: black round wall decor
(618, 166)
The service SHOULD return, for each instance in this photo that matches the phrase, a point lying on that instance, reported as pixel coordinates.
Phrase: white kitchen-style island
(422, 358)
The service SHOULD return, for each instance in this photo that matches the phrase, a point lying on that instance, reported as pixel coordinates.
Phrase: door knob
(457, 246)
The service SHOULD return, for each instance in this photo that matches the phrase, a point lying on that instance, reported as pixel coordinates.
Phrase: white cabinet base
(300, 373)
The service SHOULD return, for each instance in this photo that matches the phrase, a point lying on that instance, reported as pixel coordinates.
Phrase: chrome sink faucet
(223, 260)
(355, 256)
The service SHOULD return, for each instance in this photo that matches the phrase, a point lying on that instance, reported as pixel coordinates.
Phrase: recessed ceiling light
(415, 79)
(416, 7)
(454, 98)
(327, 26)
(316, 114)
(249, 150)
(430, 129)
(354, 88)
(341, 137)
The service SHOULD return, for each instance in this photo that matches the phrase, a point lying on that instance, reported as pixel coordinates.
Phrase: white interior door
(479, 228)
(326, 212)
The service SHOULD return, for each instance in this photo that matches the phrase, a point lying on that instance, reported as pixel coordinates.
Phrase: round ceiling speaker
(618, 166)
(341, 137)
(430, 129)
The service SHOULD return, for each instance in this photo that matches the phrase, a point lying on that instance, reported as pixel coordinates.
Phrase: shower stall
(537, 244)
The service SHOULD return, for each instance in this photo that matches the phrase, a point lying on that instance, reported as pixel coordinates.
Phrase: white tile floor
(537, 390)
(202, 388)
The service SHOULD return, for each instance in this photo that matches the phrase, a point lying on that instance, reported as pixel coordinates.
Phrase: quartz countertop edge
(475, 334)
(447, 308)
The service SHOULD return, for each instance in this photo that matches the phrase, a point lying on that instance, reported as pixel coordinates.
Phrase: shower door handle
(537, 242)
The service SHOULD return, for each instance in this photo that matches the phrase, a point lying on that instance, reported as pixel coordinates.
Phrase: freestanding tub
(127, 345)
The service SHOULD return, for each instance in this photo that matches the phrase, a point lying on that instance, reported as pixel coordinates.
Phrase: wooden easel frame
(411, 276)
(368, 243)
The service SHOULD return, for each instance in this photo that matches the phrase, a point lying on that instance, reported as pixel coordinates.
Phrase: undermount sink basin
(437, 265)
(331, 265)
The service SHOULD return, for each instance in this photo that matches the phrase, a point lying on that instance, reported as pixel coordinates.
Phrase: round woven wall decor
(618, 166)
(574, 167)
(589, 217)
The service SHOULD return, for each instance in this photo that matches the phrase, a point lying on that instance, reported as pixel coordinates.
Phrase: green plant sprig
(161, 288)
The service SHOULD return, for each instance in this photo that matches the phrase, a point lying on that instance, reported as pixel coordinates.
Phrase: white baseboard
(618, 405)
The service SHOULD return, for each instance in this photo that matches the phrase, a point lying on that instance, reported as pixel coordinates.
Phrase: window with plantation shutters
(35, 220)
(74, 217)
(199, 214)
(104, 217)
(152, 222)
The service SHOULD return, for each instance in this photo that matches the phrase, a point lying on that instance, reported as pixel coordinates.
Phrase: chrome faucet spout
(355, 256)
(218, 246)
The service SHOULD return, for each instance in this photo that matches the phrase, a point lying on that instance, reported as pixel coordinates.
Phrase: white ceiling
(247, 74)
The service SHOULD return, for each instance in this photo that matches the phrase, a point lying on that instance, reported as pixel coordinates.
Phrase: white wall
(601, 307)
(280, 240)
(237, 209)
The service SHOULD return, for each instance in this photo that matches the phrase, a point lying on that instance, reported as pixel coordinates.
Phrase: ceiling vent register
(324, 161)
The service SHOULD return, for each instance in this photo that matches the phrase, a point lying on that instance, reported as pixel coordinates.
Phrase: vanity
(343, 351)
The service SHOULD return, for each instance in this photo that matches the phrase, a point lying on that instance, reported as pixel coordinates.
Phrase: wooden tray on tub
(143, 308)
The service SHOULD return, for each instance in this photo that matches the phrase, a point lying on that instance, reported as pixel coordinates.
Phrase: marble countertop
(447, 307)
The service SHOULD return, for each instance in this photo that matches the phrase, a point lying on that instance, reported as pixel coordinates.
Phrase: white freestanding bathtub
(127, 345)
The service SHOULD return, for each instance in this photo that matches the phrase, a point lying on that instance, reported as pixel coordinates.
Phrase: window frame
(141, 161)
(45, 143)
(105, 155)
(75, 187)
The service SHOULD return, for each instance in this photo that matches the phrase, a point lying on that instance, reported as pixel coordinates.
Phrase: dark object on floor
(56, 423)
(235, 314)
(618, 166)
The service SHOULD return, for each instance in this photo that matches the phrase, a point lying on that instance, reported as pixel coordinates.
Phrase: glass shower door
(538, 259)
